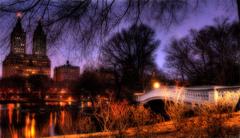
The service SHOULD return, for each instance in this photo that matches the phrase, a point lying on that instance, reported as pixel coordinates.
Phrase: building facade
(18, 62)
(66, 72)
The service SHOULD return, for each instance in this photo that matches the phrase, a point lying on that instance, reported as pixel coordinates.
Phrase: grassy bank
(167, 129)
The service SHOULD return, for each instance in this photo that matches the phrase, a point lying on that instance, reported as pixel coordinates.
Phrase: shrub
(209, 120)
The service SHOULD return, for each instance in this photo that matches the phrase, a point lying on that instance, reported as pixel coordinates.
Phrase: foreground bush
(208, 121)
(120, 115)
(189, 120)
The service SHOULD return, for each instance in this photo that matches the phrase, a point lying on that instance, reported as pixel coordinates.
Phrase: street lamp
(156, 85)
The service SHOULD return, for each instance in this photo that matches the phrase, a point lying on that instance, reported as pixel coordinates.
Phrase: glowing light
(69, 100)
(19, 14)
(62, 103)
(30, 126)
(89, 104)
(63, 91)
(33, 127)
(156, 85)
(82, 104)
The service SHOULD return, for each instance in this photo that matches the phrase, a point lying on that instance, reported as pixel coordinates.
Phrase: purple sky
(203, 16)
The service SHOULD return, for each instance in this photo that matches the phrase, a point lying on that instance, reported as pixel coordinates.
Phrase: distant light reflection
(28, 123)
(10, 108)
(30, 126)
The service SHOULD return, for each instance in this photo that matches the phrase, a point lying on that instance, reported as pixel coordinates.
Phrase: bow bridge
(196, 95)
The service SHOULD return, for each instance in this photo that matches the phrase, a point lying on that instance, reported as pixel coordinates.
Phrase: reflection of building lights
(30, 126)
(89, 104)
(18, 105)
(156, 85)
(82, 104)
(62, 91)
(62, 104)
(14, 134)
(33, 127)
(69, 100)
(10, 108)
(62, 116)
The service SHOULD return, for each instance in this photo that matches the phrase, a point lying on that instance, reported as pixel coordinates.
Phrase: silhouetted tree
(89, 85)
(16, 82)
(106, 75)
(131, 54)
(208, 56)
(238, 7)
(39, 83)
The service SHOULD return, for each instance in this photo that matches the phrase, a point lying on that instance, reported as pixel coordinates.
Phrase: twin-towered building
(19, 63)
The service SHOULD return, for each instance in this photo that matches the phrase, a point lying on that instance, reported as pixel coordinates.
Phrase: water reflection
(10, 108)
(35, 120)
(30, 126)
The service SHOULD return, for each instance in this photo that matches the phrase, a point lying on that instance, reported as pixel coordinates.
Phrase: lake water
(37, 120)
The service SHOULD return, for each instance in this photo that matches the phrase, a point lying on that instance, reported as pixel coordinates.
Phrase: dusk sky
(204, 15)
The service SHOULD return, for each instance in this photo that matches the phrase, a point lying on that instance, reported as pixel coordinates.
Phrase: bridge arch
(158, 106)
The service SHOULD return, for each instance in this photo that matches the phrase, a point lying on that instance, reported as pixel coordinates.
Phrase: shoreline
(162, 129)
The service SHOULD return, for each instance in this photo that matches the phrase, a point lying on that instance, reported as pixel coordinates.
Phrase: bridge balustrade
(197, 95)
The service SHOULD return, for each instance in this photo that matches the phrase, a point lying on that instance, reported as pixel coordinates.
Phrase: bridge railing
(193, 94)
(167, 93)
(211, 93)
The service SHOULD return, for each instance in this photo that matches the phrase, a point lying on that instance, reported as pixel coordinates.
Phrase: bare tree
(112, 115)
(131, 54)
(84, 20)
(208, 56)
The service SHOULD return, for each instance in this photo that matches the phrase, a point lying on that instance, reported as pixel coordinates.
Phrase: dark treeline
(26, 86)
(209, 56)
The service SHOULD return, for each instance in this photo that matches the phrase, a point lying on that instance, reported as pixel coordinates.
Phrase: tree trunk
(238, 8)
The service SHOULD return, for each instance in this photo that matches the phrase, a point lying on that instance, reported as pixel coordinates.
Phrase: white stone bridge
(196, 95)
